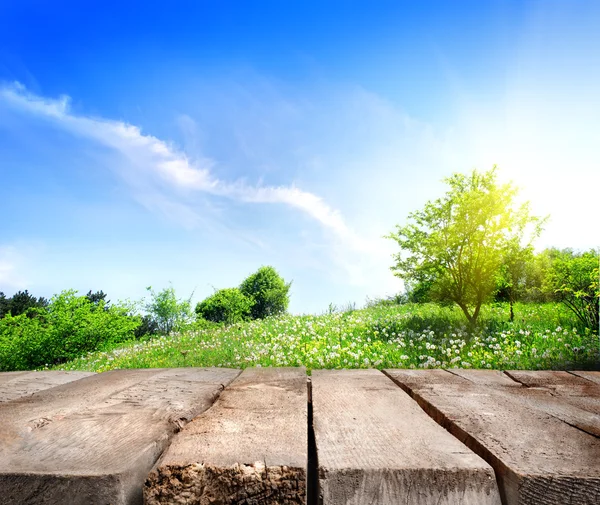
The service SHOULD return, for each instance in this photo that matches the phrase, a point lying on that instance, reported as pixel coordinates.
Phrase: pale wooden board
(17, 384)
(571, 399)
(492, 378)
(589, 375)
(93, 441)
(537, 457)
(548, 379)
(376, 445)
(250, 447)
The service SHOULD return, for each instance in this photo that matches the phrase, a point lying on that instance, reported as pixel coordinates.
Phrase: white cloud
(164, 179)
(151, 156)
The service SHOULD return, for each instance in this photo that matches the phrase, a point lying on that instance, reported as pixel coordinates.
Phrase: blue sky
(192, 142)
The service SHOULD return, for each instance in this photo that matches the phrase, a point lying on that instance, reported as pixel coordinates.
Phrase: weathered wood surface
(17, 384)
(573, 399)
(542, 446)
(591, 376)
(249, 448)
(94, 440)
(376, 446)
(492, 378)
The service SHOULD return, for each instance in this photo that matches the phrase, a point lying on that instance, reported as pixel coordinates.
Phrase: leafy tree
(459, 242)
(420, 292)
(67, 328)
(21, 302)
(573, 278)
(97, 297)
(512, 277)
(4, 305)
(169, 313)
(148, 326)
(225, 306)
(268, 291)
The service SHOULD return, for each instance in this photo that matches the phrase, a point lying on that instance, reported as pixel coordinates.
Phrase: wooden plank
(589, 375)
(492, 378)
(548, 379)
(250, 448)
(538, 458)
(568, 397)
(93, 441)
(375, 445)
(17, 384)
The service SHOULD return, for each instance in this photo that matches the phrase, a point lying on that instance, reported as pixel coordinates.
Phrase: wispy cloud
(149, 156)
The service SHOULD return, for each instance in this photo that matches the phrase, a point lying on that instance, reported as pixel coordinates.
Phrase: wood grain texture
(574, 400)
(538, 457)
(93, 441)
(15, 385)
(492, 378)
(376, 445)
(249, 448)
(589, 375)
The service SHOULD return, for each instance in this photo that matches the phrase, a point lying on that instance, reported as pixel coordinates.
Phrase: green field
(542, 336)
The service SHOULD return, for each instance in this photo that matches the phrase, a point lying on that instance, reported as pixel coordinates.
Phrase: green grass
(396, 336)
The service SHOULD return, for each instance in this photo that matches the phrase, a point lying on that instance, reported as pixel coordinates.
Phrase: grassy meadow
(542, 336)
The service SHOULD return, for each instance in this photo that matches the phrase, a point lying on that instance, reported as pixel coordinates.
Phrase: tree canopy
(268, 291)
(227, 305)
(574, 279)
(458, 243)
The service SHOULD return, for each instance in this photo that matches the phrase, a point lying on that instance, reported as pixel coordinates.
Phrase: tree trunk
(475, 314)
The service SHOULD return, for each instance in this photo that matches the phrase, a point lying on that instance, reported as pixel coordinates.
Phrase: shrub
(69, 327)
(268, 291)
(147, 328)
(573, 278)
(169, 313)
(225, 306)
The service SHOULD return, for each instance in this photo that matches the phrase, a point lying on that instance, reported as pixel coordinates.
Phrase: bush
(21, 303)
(69, 327)
(169, 313)
(573, 278)
(268, 291)
(225, 306)
(148, 327)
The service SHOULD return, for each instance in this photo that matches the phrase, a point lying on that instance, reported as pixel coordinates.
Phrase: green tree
(268, 291)
(458, 243)
(97, 297)
(512, 277)
(67, 328)
(169, 313)
(573, 279)
(21, 302)
(4, 305)
(228, 305)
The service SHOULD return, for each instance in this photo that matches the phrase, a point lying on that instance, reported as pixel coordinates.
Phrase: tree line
(36, 332)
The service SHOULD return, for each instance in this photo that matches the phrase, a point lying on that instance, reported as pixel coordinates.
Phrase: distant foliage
(97, 297)
(397, 299)
(268, 291)
(169, 313)
(573, 279)
(20, 303)
(148, 327)
(420, 292)
(228, 305)
(67, 328)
